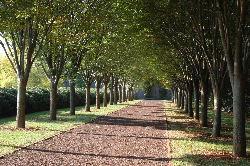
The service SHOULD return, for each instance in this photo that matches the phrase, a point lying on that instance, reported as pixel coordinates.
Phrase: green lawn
(38, 125)
(195, 146)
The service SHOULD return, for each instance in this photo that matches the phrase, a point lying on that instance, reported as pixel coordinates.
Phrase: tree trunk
(204, 100)
(239, 142)
(173, 93)
(53, 98)
(98, 102)
(87, 104)
(196, 95)
(182, 100)
(111, 100)
(120, 94)
(237, 63)
(217, 114)
(176, 96)
(21, 99)
(105, 95)
(132, 92)
(190, 95)
(197, 104)
(186, 103)
(72, 97)
(239, 86)
(129, 94)
(124, 91)
(179, 98)
(115, 90)
(115, 94)
(97, 93)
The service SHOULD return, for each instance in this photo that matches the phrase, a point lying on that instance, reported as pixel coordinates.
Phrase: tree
(59, 46)
(105, 82)
(25, 25)
(235, 41)
(54, 55)
(98, 81)
(116, 89)
(207, 25)
(207, 20)
(111, 88)
(87, 76)
(79, 33)
(72, 71)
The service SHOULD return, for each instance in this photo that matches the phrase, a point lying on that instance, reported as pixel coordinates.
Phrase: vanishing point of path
(134, 135)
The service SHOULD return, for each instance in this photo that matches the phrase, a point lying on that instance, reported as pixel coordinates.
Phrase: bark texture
(239, 135)
(105, 95)
(217, 115)
(97, 91)
(115, 90)
(197, 99)
(183, 100)
(21, 103)
(238, 63)
(53, 94)
(204, 100)
(179, 98)
(111, 89)
(72, 97)
(120, 94)
(123, 91)
(186, 103)
(190, 99)
(87, 104)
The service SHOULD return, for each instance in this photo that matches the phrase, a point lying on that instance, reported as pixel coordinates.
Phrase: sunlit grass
(193, 145)
(38, 125)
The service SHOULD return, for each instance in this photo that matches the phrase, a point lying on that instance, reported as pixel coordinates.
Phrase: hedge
(37, 99)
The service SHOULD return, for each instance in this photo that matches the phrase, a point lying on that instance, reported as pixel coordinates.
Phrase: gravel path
(135, 135)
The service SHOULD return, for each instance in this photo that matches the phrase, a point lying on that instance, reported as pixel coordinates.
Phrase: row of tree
(209, 41)
(94, 39)
(185, 43)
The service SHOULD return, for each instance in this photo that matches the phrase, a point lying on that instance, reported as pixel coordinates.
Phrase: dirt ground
(134, 135)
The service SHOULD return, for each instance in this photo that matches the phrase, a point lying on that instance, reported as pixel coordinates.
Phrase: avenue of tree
(210, 40)
(90, 39)
(191, 46)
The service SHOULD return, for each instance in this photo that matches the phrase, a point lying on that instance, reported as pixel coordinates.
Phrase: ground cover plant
(194, 145)
(38, 125)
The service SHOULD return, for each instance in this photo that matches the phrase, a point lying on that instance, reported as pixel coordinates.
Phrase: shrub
(38, 99)
(63, 97)
(8, 101)
(80, 96)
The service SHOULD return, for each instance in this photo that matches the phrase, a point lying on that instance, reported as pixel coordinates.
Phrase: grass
(193, 145)
(38, 125)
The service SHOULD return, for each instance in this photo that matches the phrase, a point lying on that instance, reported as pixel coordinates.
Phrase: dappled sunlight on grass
(193, 145)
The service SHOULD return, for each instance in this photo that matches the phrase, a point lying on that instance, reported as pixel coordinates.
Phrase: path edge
(60, 132)
(167, 135)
